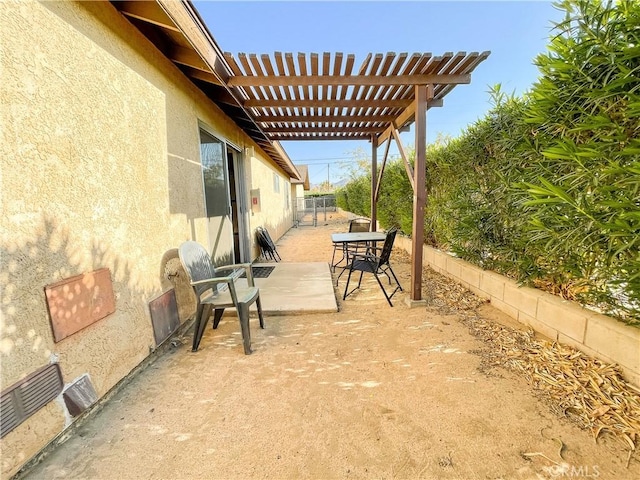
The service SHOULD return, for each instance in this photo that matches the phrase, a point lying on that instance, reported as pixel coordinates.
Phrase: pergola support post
(374, 180)
(422, 95)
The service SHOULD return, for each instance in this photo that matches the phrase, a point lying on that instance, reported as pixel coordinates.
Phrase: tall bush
(584, 190)
(355, 196)
(546, 188)
(471, 205)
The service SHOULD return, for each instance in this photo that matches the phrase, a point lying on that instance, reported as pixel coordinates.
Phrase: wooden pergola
(314, 97)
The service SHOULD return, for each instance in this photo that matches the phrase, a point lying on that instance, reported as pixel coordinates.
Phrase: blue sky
(514, 31)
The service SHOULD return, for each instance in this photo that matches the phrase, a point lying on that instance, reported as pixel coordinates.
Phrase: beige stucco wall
(99, 168)
(276, 214)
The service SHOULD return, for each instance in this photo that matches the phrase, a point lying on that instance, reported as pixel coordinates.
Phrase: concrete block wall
(560, 320)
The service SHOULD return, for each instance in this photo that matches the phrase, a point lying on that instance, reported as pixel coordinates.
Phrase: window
(286, 199)
(276, 182)
(214, 173)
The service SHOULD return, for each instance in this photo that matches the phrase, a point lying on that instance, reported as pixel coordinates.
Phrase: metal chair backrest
(264, 233)
(359, 225)
(387, 247)
(263, 242)
(267, 247)
(197, 263)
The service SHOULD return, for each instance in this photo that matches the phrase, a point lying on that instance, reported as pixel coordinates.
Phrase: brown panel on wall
(77, 302)
(164, 315)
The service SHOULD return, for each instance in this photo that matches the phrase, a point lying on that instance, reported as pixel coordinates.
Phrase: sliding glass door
(217, 198)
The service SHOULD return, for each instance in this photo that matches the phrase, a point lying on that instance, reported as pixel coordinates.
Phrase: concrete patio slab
(297, 289)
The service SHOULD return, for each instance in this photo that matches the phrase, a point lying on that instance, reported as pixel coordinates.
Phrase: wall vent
(26, 397)
(164, 316)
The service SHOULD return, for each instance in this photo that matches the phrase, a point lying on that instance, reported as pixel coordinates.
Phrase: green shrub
(545, 188)
(584, 190)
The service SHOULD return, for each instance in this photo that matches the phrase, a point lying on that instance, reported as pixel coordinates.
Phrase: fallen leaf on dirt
(591, 392)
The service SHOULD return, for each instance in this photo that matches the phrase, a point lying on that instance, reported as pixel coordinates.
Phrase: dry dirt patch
(368, 392)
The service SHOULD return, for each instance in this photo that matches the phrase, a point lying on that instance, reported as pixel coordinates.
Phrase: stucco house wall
(100, 167)
(276, 211)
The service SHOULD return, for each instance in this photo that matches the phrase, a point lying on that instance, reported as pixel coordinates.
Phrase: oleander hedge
(546, 187)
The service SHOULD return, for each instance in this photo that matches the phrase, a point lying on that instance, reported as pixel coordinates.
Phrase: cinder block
(429, 254)
(523, 298)
(493, 284)
(440, 261)
(565, 340)
(630, 374)
(479, 293)
(470, 274)
(453, 267)
(505, 307)
(539, 327)
(404, 243)
(566, 317)
(615, 340)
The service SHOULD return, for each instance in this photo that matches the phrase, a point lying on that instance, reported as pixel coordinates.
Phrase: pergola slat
(314, 73)
(344, 129)
(302, 64)
(368, 81)
(268, 68)
(313, 103)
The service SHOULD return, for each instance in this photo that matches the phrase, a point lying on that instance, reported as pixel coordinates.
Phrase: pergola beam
(422, 96)
(294, 129)
(355, 80)
(407, 116)
(340, 136)
(326, 103)
(324, 118)
(405, 159)
(384, 163)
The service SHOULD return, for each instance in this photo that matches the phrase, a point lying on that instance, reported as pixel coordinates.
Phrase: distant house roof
(304, 175)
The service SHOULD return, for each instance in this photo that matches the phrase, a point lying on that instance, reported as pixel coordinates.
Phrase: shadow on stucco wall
(46, 256)
(107, 350)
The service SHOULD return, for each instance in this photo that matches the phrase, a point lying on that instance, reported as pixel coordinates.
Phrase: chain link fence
(309, 209)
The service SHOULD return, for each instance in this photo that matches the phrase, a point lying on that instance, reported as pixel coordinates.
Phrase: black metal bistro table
(342, 239)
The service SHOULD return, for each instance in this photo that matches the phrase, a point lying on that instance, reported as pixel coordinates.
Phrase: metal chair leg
(383, 290)
(346, 288)
(395, 278)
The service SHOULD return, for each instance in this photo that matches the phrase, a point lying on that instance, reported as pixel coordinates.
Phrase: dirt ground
(368, 392)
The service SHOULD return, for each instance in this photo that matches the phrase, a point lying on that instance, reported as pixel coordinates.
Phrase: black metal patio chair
(219, 292)
(359, 224)
(268, 249)
(375, 264)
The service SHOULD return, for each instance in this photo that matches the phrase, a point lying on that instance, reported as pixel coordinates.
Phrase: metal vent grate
(23, 399)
